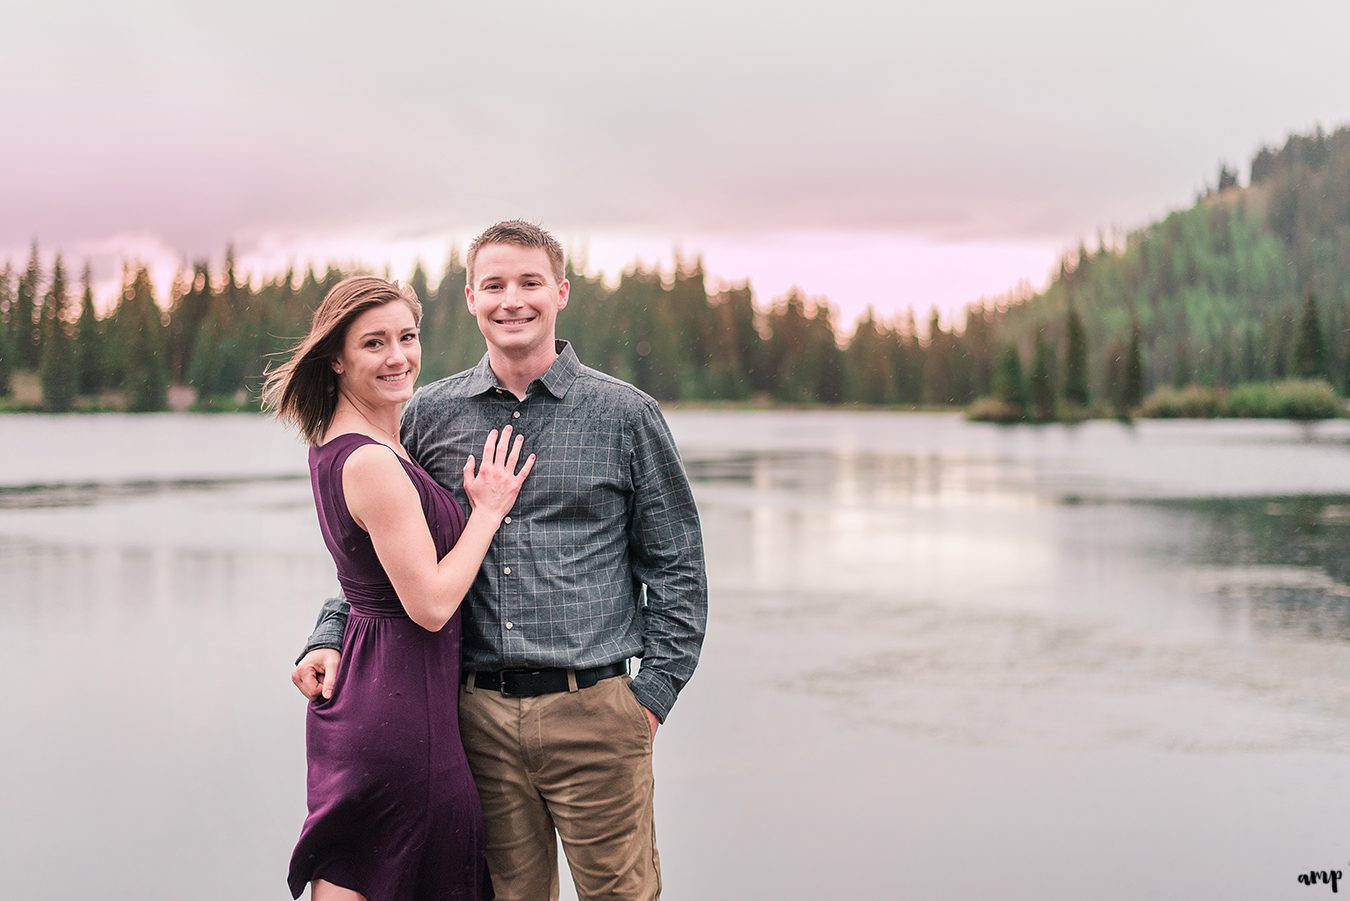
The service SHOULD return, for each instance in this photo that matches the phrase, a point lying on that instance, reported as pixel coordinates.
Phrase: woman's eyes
(376, 342)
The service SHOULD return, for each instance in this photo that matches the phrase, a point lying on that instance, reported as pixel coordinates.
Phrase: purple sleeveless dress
(393, 812)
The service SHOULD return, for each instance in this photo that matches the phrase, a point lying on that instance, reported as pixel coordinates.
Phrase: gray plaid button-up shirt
(601, 559)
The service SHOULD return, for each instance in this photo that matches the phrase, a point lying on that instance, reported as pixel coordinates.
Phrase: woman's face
(381, 355)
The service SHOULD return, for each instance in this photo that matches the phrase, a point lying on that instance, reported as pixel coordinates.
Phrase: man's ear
(468, 298)
(564, 290)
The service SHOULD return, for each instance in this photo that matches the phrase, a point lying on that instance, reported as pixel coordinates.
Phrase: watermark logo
(1322, 877)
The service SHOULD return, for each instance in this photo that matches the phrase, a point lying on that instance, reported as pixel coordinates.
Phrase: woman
(393, 812)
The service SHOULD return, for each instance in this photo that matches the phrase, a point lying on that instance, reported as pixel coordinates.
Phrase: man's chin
(515, 339)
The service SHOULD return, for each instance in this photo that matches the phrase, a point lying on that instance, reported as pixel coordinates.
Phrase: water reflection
(896, 529)
(83, 494)
(1271, 564)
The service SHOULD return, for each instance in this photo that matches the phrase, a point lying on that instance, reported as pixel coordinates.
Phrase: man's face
(515, 298)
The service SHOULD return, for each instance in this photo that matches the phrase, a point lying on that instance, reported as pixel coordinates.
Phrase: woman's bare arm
(384, 502)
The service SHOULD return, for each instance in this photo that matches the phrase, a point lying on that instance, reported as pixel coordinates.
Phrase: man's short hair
(522, 234)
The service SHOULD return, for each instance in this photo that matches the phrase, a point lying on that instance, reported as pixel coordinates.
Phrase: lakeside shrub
(991, 409)
(1191, 402)
(1298, 399)
(1301, 399)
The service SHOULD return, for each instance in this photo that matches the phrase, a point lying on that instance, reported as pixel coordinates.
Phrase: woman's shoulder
(341, 440)
(354, 455)
(336, 448)
(374, 459)
(375, 478)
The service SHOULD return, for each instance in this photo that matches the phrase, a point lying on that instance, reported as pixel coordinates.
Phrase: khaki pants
(578, 762)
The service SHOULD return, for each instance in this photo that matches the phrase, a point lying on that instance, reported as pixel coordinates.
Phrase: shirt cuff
(655, 692)
(326, 639)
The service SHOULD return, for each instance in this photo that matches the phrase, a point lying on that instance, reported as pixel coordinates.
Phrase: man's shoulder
(601, 387)
(451, 388)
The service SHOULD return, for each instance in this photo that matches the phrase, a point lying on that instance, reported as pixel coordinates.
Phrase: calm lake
(945, 660)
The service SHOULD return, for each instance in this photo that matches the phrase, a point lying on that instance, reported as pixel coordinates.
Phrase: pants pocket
(637, 713)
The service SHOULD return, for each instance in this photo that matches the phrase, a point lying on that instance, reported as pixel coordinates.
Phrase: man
(600, 561)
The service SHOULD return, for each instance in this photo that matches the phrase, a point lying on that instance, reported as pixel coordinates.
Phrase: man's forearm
(328, 630)
(666, 546)
(673, 630)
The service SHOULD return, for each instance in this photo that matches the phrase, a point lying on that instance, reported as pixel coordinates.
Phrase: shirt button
(507, 570)
(515, 415)
(510, 625)
(507, 519)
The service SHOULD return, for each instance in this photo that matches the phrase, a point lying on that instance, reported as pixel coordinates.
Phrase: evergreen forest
(1245, 292)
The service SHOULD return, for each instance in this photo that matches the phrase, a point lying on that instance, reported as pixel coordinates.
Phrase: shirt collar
(556, 379)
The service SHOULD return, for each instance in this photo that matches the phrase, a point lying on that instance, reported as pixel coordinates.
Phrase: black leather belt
(530, 683)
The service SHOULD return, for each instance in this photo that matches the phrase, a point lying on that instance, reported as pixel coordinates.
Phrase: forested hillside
(1250, 284)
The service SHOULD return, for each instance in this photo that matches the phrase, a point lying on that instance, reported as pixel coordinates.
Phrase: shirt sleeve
(666, 547)
(328, 630)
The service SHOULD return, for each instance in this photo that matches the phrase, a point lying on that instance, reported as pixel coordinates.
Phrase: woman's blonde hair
(303, 390)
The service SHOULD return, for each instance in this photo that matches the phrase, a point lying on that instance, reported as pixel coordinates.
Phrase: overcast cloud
(981, 125)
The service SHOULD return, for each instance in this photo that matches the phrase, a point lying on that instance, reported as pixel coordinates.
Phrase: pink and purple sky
(902, 155)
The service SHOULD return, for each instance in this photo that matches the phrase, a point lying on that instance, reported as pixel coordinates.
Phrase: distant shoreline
(738, 407)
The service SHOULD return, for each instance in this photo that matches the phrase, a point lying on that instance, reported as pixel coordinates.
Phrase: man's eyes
(496, 286)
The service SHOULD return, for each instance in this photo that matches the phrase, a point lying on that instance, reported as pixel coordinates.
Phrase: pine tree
(143, 345)
(735, 361)
(451, 340)
(1075, 359)
(1184, 374)
(219, 355)
(793, 378)
(908, 361)
(868, 377)
(1279, 342)
(58, 371)
(1345, 357)
(937, 368)
(179, 289)
(978, 342)
(692, 323)
(824, 357)
(1009, 386)
(186, 313)
(1042, 387)
(24, 320)
(1132, 385)
(7, 344)
(89, 344)
(1114, 377)
(1310, 353)
(420, 285)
